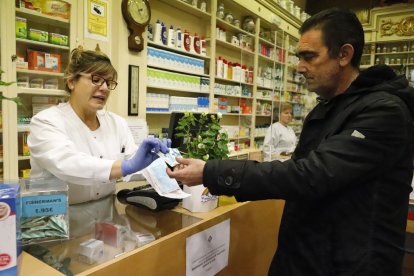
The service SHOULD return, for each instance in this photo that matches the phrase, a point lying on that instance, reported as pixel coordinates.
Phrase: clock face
(139, 11)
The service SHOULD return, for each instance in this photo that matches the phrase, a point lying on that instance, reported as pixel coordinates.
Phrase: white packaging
(10, 210)
(171, 37)
(91, 251)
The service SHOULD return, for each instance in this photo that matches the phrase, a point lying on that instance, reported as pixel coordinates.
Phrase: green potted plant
(17, 100)
(203, 139)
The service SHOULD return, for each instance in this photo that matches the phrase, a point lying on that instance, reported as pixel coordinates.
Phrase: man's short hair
(338, 27)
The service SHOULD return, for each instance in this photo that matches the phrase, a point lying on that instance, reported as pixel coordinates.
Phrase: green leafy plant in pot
(17, 100)
(203, 139)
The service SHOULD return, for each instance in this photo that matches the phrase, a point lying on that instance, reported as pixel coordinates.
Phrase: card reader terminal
(145, 196)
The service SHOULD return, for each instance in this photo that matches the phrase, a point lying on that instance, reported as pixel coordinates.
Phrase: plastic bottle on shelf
(219, 68)
(236, 72)
(229, 71)
(163, 34)
(150, 34)
(250, 79)
(244, 74)
(225, 68)
(203, 6)
(196, 43)
(192, 44)
(157, 32)
(178, 38)
(171, 37)
(203, 50)
(186, 41)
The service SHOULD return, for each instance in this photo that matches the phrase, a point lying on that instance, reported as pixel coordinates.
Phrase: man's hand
(188, 171)
(145, 155)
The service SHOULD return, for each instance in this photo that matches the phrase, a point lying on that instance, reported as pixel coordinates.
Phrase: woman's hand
(145, 155)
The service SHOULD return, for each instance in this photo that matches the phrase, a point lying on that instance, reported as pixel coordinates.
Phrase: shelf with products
(178, 72)
(200, 9)
(270, 75)
(175, 50)
(42, 50)
(388, 41)
(234, 35)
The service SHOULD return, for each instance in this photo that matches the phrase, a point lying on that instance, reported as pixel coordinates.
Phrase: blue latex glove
(145, 155)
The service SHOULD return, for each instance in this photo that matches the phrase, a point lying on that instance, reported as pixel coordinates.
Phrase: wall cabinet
(389, 39)
(249, 65)
(43, 39)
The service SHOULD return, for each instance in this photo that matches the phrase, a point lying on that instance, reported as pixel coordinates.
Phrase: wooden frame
(133, 90)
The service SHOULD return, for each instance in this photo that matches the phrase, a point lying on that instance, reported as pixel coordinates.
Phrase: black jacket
(346, 186)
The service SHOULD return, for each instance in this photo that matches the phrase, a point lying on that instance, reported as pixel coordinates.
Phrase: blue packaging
(10, 241)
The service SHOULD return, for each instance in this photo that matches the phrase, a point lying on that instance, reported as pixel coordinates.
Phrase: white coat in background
(62, 145)
(278, 139)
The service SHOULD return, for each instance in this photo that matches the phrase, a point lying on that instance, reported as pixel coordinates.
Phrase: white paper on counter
(207, 252)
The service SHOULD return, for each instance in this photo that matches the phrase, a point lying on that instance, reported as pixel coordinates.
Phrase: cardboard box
(43, 61)
(36, 60)
(52, 62)
(10, 245)
(38, 35)
(58, 39)
(21, 27)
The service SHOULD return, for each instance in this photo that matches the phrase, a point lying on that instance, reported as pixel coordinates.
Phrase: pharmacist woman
(280, 139)
(81, 143)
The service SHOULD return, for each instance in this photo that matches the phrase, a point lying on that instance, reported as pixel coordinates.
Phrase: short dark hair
(339, 27)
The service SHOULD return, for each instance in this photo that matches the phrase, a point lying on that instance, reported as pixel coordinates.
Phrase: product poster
(96, 19)
(207, 252)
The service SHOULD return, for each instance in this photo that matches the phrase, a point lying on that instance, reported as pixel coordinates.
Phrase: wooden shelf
(38, 72)
(187, 8)
(233, 96)
(232, 28)
(44, 44)
(177, 70)
(175, 50)
(32, 15)
(175, 89)
(233, 81)
(40, 91)
(233, 47)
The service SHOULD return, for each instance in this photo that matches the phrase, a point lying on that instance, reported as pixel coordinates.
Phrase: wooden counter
(253, 240)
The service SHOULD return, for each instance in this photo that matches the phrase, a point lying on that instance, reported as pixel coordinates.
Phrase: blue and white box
(10, 242)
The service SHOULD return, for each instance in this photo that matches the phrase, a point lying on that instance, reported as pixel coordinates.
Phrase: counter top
(254, 227)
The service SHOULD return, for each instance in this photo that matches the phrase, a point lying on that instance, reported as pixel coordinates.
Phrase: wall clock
(137, 14)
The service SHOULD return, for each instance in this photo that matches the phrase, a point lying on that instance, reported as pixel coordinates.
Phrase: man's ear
(345, 54)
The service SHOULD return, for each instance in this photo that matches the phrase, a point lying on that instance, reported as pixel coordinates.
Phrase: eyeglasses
(98, 80)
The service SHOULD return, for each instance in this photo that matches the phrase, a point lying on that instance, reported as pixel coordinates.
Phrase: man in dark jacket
(348, 182)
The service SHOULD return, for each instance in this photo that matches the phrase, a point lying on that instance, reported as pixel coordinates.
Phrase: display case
(42, 36)
(42, 53)
(389, 39)
(178, 76)
(246, 70)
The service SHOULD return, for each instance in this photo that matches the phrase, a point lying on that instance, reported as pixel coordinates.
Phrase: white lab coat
(278, 139)
(62, 145)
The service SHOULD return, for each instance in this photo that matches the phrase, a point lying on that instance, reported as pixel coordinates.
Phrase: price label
(35, 206)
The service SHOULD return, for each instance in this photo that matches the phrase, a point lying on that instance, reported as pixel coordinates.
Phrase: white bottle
(203, 50)
(219, 68)
(225, 68)
(157, 32)
(171, 37)
(178, 39)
